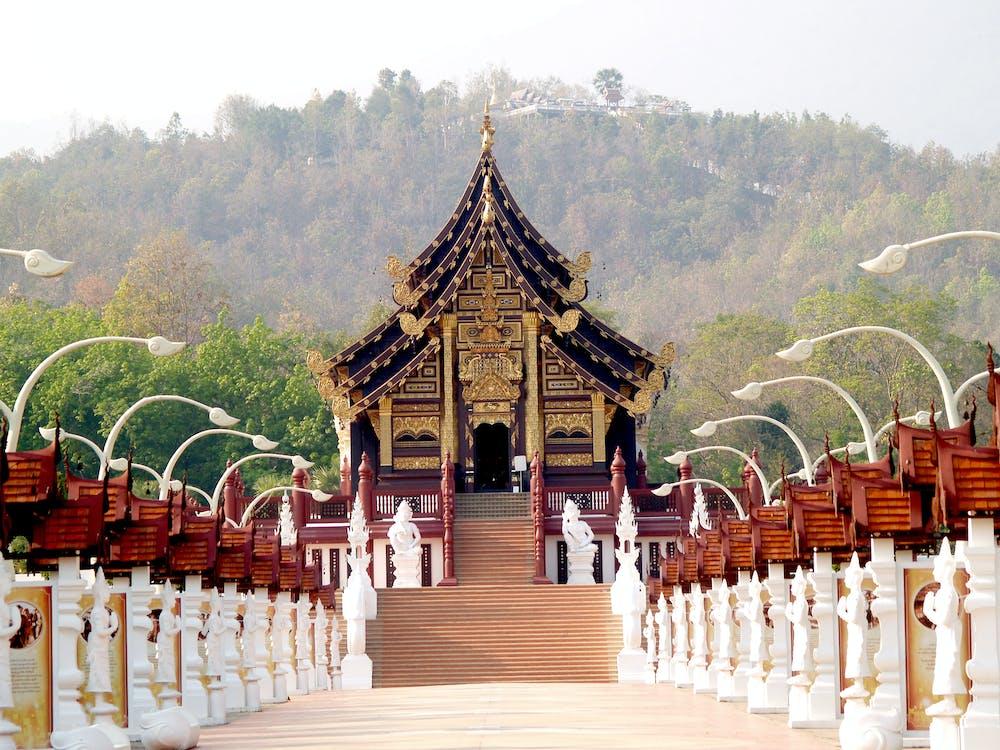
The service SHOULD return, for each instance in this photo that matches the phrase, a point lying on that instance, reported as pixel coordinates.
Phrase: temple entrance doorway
(491, 454)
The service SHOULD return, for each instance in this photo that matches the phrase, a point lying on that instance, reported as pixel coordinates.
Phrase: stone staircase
(492, 505)
(495, 626)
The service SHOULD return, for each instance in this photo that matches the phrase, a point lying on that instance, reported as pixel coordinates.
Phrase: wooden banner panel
(31, 666)
(921, 644)
(117, 658)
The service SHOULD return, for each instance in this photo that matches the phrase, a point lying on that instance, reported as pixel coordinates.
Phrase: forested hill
(686, 217)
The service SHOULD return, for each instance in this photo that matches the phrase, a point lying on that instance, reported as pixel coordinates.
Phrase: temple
(490, 357)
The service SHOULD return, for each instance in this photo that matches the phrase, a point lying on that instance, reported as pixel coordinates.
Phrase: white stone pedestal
(631, 666)
(103, 711)
(356, 672)
(68, 711)
(581, 568)
(824, 693)
(980, 725)
(170, 729)
(407, 565)
(140, 668)
(194, 698)
(257, 643)
(216, 702)
(776, 684)
(235, 690)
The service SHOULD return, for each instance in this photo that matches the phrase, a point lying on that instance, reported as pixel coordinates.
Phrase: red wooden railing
(448, 517)
(538, 519)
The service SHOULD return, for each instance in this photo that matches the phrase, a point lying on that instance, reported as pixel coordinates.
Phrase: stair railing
(448, 519)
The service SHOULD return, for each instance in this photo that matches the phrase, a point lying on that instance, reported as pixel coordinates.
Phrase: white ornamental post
(741, 675)
(852, 609)
(281, 646)
(232, 684)
(166, 655)
(649, 633)
(10, 623)
(725, 639)
(321, 680)
(360, 603)
(698, 665)
(303, 644)
(681, 673)
(802, 651)
(776, 684)
(68, 714)
(335, 639)
(980, 725)
(194, 697)
(138, 597)
(824, 693)
(753, 613)
(248, 660)
(214, 630)
(663, 657)
(628, 596)
(941, 608)
(260, 603)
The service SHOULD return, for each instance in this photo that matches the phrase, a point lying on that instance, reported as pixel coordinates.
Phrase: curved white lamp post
(802, 349)
(297, 461)
(678, 458)
(707, 429)
(665, 489)
(49, 433)
(318, 495)
(157, 345)
(216, 415)
(960, 391)
(39, 262)
(121, 464)
(893, 258)
(752, 391)
(6, 412)
(259, 442)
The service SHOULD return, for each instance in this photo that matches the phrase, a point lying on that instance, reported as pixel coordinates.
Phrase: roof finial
(487, 130)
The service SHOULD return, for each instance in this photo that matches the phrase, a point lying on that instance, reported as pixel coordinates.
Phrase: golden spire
(487, 130)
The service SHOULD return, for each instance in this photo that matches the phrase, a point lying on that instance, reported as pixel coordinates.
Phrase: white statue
(103, 624)
(303, 642)
(753, 613)
(320, 648)
(359, 602)
(166, 657)
(404, 536)
(699, 629)
(214, 631)
(286, 523)
(853, 610)
(664, 651)
(722, 616)
(699, 513)
(650, 634)
(580, 547)
(335, 639)
(798, 616)
(941, 608)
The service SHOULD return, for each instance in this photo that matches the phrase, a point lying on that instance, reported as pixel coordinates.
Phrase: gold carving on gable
(566, 322)
(578, 268)
(316, 362)
(570, 459)
(666, 357)
(397, 270)
(414, 463)
(411, 326)
(404, 296)
(415, 427)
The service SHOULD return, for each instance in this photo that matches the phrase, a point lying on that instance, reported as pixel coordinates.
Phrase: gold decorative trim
(411, 326)
(666, 357)
(415, 426)
(404, 296)
(415, 463)
(570, 459)
(397, 270)
(568, 422)
(578, 268)
(316, 363)
(566, 322)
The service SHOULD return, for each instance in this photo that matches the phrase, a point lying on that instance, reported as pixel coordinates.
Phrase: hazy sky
(924, 70)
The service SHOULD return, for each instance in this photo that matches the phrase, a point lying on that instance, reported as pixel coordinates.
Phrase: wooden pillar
(366, 494)
(448, 518)
(617, 481)
(534, 437)
(449, 416)
(229, 501)
(597, 427)
(385, 432)
(345, 474)
(640, 471)
(300, 500)
(538, 519)
(343, 428)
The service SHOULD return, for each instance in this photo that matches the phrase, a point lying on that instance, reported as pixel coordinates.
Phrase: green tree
(608, 82)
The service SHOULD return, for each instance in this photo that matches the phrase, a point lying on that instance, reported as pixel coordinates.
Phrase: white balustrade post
(665, 653)
(140, 668)
(321, 677)
(941, 607)
(68, 713)
(281, 646)
(741, 675)
(248, 660)
(170, 627)
(802, 651)
(680, 670)
(335, 639)
(628, 596)
(231, 682)
(698, 624)
(887, 705)
(260, 602)
(824, 693)
(194, 697)
(980, 726)
(360, 604)
(753, 613)
(649, 632)
(725, 640)
(776, 684)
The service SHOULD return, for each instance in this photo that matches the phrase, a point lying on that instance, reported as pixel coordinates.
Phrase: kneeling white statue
(404, 536)
(580, 547)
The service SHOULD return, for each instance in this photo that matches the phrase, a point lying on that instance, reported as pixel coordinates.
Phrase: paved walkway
(511, 715)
